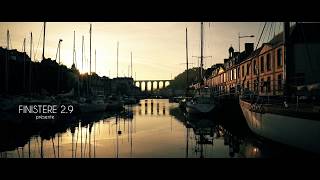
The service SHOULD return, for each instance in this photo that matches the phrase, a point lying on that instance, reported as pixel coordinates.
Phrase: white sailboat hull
(297, 132)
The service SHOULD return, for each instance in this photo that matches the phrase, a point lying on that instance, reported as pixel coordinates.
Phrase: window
(261, 65)
(254, 67)
(269, 84)
(248, 84)
(261, 85)
(280, 82)
(268, 62)
(255, 85)
(248, 69)
(238, 72)
(233, 73)
(242, 71)
(279, 57)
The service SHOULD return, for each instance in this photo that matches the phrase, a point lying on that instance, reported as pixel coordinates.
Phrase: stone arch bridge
(152, 84)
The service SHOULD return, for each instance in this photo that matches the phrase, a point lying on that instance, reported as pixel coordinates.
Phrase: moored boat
(291, 115)
(200, 105)
(96, 104)
(300, 129)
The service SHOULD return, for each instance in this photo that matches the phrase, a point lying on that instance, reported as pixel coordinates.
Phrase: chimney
(236, 54)
(248, 48)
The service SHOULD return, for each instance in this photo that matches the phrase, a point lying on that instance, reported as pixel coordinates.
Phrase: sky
(158, 48)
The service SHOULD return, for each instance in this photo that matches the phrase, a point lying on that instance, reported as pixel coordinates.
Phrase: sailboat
(281, 118)
(183, 101)
(202, 102)
(94, 103)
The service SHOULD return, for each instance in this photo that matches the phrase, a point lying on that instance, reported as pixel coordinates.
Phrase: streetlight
(58, 50)
(58, 80)
(251, 36)
(243, 37)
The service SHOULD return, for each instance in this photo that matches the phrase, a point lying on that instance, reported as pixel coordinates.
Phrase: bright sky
(158, 48)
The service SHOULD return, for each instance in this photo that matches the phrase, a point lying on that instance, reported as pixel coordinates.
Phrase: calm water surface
(158, 129)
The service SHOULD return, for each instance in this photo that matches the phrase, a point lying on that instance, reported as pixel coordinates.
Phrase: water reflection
(153, 128)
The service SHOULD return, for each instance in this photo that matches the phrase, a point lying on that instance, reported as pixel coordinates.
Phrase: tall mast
(131, 64)
(201, 57)
(6, 64)
(82, 53)
(74, 44)
(8, 39)
(90, 49)
(187, 88)
(24, 63)
(95, 61)
(30, 62)
(44, 39)
(117, 56)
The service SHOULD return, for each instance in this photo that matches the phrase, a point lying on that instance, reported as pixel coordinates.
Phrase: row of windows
(268, 61)
(262, 64)
(235, 73)
(265, 86)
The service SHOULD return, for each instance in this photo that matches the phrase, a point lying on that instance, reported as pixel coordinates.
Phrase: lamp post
(251, 36)
(58, 80)
(58, 50)
(243, 37)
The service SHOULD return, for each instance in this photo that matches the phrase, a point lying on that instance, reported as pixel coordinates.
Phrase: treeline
(180, 81)
(28, 77)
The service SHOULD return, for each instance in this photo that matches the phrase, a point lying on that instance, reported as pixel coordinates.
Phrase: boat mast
(131, 64)
(90, 49)
(95, 61)
(187, 83)
(6, 64)
(44, 39)
(117, 56)
(24, 63)
(30, 62)
(74, 44)
(82, 53)
(89, 84)
(201, 57)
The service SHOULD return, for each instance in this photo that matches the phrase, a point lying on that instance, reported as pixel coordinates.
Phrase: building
(263, 71)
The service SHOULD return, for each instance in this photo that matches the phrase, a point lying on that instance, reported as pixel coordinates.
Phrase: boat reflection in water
(154, 128)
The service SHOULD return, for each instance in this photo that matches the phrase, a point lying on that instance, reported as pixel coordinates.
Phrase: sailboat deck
(300, 110)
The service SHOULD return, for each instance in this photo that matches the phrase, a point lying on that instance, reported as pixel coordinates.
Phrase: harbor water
(154, 128)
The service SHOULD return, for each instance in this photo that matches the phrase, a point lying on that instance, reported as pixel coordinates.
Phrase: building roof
(255, 53)
(299, 33)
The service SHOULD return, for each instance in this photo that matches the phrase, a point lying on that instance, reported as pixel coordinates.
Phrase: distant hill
(179, 81)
